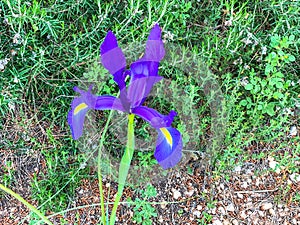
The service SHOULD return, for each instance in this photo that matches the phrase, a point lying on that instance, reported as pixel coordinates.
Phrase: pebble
(230, 208)
(238, 169)
(235, 222)
(239, 195)
(272, 212)
(293, 131)
(266, 206)
(243, 215)
(217, 222)
(256, 221)
(295, 177)
(221, 210)
(222, 186)
(189, 193)
(197, 213)
(176, 194)
(244, 185)
(226, 222)
(273, 165)
(261, 213)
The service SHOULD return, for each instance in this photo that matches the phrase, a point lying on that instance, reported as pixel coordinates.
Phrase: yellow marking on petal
(167, 135)
(79, 108)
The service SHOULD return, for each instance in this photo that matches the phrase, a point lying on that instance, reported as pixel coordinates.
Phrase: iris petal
(76, 117)
(144, 72)
(140, 88)
(154, 47)
(153, 117)
(80, 106)
(113, 59)
(168, 147)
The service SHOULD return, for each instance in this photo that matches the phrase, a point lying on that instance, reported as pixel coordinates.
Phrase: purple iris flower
(143, 75)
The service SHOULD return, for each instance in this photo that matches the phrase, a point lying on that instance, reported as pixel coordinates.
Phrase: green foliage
(143, 210)
(47, 47)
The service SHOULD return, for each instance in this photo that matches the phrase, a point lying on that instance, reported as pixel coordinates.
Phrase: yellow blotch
(167, 135)
(79, 108)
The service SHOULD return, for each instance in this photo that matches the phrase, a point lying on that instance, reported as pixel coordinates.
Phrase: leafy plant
(143, 210)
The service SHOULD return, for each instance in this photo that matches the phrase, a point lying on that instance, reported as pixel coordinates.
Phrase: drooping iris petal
(113, 59)
(154, 118)
(76, 116)
(140, 88)
(168, 147)
(80, 105)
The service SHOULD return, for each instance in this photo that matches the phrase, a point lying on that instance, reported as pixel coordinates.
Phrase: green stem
(103, 218)
(124, 166)
(22, 200)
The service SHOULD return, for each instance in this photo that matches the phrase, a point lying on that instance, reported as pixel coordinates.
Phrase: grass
(250, 47)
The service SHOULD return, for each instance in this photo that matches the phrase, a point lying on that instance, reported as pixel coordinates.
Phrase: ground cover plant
(243, 55)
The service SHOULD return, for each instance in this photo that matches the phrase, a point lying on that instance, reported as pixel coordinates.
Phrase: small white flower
(244, 81)
(293, 131)
(228, 23)
(17, 39)
(3, 63)
(264, 50)
(16, 80)
(246, 67)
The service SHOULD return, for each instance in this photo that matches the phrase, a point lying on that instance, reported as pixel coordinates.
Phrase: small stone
(235, 222)
(239, 195)
(217, 222)
(272, 212)
(213, 211)
(266, 206)
(161, 220)
(222, 186)
(293, 131)
(221, 210)
(230, 208)
(295, 177)
(163, 205)
(238, 169)
(244, 185)
(243, 215)
(199, 207)
(294, 221)
(274, 166)
(261, 213)
(255, 220)
(176, 194)
(189, 193)
(107, 185)
(197, 213)
(226, 222)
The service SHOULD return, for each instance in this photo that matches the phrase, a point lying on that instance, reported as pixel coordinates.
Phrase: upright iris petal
(144, 72)
(113, 59)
